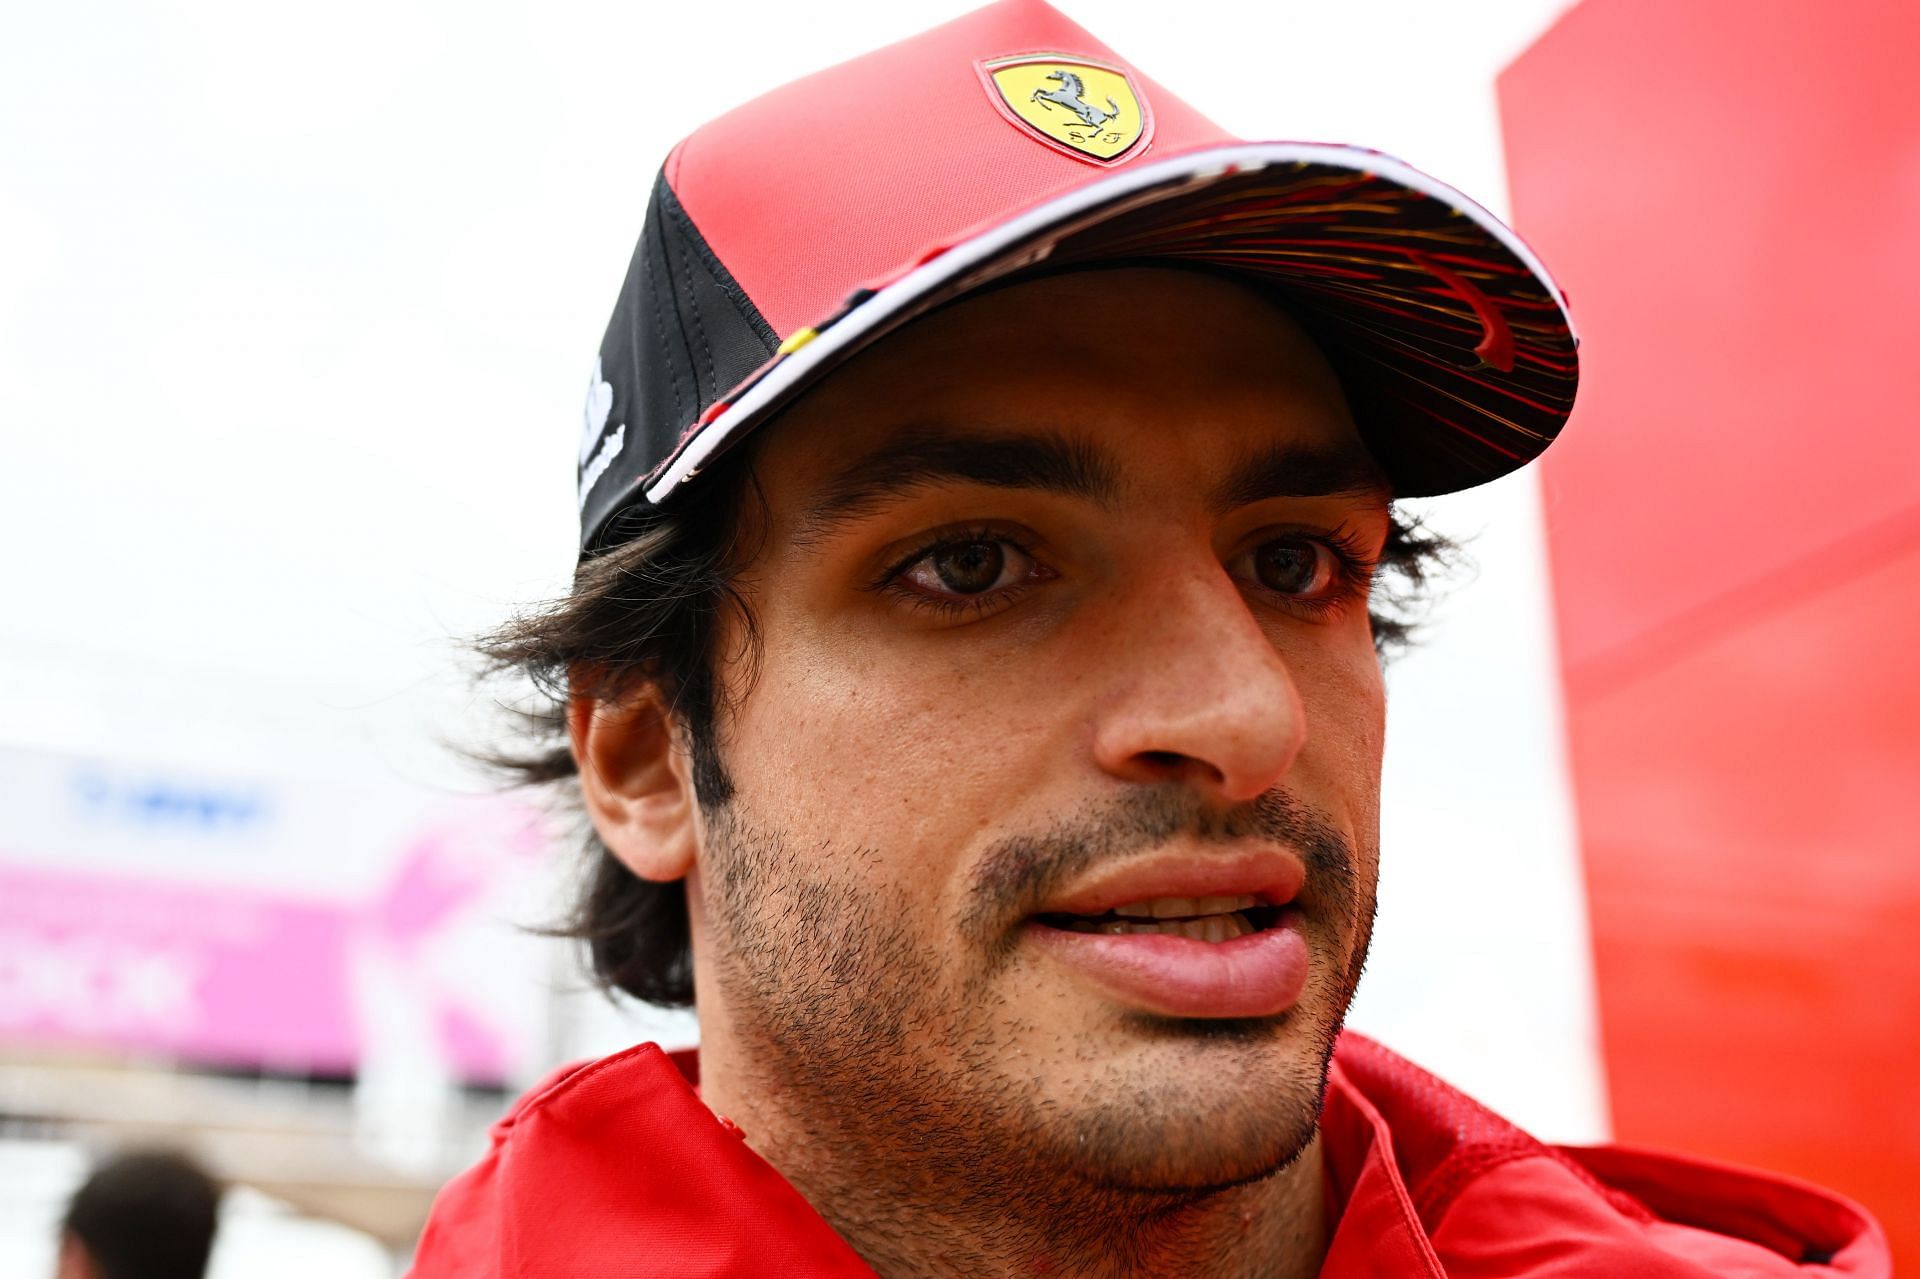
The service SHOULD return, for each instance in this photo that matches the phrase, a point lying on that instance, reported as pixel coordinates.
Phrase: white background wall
(296, 306)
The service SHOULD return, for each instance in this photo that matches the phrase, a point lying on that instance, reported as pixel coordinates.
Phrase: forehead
(1109, 380)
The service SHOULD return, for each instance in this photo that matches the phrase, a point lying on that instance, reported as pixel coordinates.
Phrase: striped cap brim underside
(1453, 343)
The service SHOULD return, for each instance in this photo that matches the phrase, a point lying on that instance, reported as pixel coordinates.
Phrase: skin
(915, 770)
(75, 1262)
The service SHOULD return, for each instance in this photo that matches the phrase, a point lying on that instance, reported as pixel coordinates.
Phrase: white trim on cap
(1192, 168)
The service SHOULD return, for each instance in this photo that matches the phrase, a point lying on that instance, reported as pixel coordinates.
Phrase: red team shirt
(616, 1168)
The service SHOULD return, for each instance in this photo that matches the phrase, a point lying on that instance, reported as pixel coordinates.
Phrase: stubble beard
(902, 1118)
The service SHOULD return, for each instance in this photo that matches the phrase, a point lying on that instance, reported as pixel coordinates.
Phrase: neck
(1271, 1229)
(909, 1215)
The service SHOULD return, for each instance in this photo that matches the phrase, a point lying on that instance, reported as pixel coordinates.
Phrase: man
(972, 678)
(141, 1215)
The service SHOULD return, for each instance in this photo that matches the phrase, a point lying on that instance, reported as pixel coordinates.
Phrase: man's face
(1052, 844)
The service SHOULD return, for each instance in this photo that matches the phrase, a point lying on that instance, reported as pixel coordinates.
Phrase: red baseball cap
(790, 233)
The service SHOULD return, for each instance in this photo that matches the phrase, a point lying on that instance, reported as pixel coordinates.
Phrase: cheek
(1368, 696)
(855, 744)
(1344, 696)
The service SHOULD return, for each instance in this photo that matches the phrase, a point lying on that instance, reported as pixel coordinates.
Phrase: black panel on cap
(683, 333)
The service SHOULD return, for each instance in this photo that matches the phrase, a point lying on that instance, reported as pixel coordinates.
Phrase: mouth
(1202, 919)
(1184, 937)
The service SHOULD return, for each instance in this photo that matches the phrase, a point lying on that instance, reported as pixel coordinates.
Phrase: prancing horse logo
(1058, 99)
(1072, 95)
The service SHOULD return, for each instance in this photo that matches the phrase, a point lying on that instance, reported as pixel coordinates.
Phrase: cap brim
(1453, 343)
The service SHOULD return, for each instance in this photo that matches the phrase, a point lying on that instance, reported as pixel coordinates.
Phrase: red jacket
(616, 1169)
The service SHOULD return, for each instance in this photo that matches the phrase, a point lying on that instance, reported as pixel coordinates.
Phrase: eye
(1295, 566)
(969, 567)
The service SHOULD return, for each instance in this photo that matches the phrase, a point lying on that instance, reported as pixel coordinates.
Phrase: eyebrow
(923, 456)
(1298, 470)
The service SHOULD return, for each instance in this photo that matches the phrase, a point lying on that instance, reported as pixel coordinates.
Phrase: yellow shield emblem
(1087, 109)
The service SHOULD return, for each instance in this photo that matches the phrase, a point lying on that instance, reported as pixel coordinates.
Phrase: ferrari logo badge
(1087, 109)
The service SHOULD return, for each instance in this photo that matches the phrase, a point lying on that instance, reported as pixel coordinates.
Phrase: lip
(1259, 975)
(1271, 875)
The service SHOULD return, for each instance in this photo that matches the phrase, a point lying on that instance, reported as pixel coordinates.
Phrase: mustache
(1021, 872)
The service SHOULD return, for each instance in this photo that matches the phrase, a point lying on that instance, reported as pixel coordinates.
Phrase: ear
(637, 782)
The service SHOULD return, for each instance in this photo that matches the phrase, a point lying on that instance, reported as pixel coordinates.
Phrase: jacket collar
(1377, 1229)
(619, 1162)
(620, 1157)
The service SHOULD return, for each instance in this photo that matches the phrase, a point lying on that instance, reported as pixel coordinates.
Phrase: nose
(1197, 692)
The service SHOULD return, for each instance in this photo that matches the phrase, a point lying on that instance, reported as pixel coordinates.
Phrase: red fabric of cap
(836, 180)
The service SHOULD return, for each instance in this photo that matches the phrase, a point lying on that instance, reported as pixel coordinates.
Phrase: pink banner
(223, 970)
(212, 974)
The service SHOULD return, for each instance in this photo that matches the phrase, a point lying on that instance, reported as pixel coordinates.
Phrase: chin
(1208, 1105)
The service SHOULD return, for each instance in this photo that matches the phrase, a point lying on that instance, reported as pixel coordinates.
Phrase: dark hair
(146, 1215)
(645, 612)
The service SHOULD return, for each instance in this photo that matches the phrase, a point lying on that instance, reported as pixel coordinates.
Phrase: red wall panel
(1747, 816)
(1730, 191)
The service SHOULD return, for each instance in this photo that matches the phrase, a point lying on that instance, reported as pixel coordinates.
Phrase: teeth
(1185, 907)
(1211, 928)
